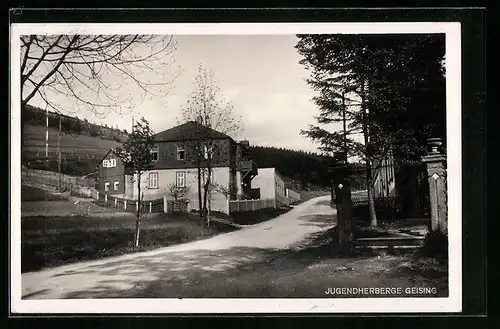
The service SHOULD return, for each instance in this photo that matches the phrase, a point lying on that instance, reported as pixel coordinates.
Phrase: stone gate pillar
(342, 191)
(435, 161)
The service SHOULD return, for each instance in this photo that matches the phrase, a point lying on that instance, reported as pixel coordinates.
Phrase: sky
(259, 74)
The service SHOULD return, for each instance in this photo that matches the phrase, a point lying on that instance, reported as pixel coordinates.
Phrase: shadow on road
(235, 272)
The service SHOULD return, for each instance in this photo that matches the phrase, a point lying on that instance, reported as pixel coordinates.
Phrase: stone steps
(400, 242)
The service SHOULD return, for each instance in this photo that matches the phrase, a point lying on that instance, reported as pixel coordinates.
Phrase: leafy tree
(377, 85)
(208, 107)
(90, 70)
(136, 156)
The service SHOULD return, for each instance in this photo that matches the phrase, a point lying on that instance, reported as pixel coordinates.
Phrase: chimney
(199, 119)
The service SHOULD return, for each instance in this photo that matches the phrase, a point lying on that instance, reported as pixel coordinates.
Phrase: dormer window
(181, 153)
(109, 163)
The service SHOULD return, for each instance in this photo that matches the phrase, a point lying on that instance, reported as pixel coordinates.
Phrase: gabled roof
(104, 157)
(190, 130)
(127, 168)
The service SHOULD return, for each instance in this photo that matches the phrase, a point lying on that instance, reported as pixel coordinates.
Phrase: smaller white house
(271, 185)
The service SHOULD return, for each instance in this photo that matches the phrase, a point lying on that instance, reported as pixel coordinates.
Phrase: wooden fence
(220, 204)
(250, 205)
(79, 186)
(292, 195)
(147, 206)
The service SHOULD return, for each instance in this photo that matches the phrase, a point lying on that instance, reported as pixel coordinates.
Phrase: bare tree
(211, 110)
(90, 71)
(225, 190)
(179, 194)
(136, 156)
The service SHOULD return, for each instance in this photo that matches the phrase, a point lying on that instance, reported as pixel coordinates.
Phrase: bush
(435, 245)
(93, 131)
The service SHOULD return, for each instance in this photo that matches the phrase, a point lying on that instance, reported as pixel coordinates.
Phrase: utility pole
(46, 132)
(59, 155)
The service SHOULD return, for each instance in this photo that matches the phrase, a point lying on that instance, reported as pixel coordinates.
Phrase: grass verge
(53, 241)
(30, 193)
(258, 216)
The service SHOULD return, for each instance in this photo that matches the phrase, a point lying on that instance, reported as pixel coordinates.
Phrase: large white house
(177, 155)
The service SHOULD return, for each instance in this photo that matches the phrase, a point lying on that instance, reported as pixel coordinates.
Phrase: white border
(321, 305)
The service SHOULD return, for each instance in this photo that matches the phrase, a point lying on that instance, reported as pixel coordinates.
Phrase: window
(116, 185)
(204, 175)
(106, 186)
(181, 154)
(153, 180)
(109, 163)
(154, 153)
(180, 179)
(207, 152)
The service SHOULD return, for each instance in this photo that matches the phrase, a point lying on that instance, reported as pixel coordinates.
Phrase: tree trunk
(209, 208)
(205, 194)
(137, 221)
(369, 181)
(59, 156)
(371, 201)
(332, 194)
(200, 205)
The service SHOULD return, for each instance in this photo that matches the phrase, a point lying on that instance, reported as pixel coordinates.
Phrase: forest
(70, 125)
(302, 170)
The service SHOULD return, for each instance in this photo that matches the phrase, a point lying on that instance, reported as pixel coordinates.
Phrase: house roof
(190, 130)
(104, 157)
(113, 151)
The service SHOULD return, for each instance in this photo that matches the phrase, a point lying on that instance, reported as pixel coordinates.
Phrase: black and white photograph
(235, 168)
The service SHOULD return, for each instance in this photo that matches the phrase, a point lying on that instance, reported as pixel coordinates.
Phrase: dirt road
(179, 266)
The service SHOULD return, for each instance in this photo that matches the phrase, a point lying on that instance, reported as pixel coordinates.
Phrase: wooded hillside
(301, 170)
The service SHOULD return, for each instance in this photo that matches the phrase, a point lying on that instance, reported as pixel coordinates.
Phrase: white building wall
(266, 182)
(168, 176)
(238, 183)
(280, 186)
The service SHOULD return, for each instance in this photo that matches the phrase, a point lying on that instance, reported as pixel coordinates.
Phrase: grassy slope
(82, 144)
(80, 154)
